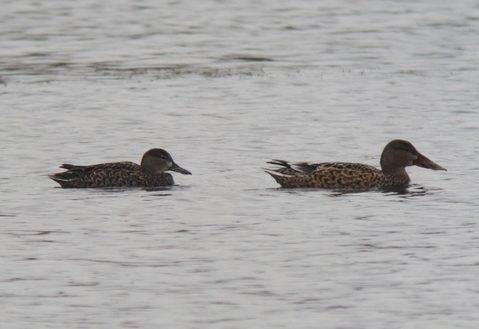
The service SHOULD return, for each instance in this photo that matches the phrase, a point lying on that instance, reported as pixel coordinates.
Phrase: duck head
(157, 161)
(399, 154)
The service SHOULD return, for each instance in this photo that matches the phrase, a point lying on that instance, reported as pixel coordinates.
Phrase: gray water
(225, 86)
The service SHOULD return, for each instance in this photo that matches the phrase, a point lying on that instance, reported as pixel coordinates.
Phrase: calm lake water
(225, 86)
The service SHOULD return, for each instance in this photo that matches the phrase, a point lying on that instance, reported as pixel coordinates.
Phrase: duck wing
(77, 176)
(309, 168)
(325, 174)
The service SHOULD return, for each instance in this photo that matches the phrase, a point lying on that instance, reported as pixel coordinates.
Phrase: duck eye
(407, 148)
(410, 150)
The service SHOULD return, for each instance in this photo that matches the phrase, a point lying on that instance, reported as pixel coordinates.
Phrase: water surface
(225, 87)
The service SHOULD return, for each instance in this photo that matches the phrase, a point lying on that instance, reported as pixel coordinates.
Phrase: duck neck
(149, 171)
(148, 166)
(398, 174)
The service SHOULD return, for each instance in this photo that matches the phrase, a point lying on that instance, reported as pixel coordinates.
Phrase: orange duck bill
(424, 162)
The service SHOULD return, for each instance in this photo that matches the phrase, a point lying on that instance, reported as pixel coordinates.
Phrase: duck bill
(177, 168)
(424, 162)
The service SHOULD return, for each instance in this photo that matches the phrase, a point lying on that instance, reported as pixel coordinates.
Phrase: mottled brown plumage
(396, 156)
(151, 173)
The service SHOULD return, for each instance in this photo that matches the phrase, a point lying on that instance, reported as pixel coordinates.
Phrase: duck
(150, 173)
(396, 156)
